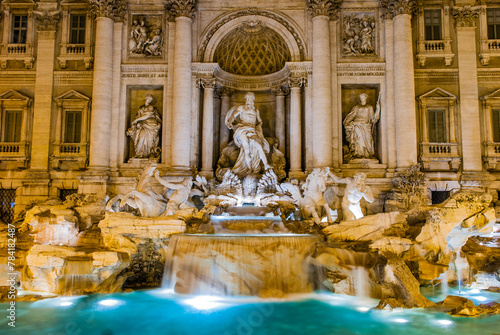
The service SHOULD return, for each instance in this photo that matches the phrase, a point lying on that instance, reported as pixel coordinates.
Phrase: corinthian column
(102, 90)
(183, 11)
(295, 127)
(207, 146)
(404, 81)
(465, 19)
(280, 93)
(321, 11)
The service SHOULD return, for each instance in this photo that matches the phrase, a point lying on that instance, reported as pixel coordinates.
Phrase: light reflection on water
(162, 312)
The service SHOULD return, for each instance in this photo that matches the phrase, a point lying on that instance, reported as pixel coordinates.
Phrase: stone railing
(488, 49)
(434, 49)
(70, 155)
(75, 52)
(16, 153)
(70, 149)
(14, 51)
(439, 156)
(491, 158)
(17, 49)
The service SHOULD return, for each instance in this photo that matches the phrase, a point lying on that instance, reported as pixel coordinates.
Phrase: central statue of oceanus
(250, 153)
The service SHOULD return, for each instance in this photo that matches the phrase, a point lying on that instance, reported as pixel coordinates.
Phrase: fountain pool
(162, 312)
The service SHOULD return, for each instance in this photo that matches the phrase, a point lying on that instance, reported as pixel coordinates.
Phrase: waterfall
(461, 265)
(444, 283)
(361, 282)
(265, 265)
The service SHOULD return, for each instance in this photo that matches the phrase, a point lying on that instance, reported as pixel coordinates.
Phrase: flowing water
(240, 264)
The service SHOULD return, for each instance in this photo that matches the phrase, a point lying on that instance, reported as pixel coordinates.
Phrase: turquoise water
(161, 312)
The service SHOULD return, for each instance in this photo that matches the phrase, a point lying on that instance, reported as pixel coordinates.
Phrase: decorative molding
(360, 69)
(431, 73)
(392, 8)
(466, 16)
(114, 9)
(296, 82)
(328, 8)
(248, 12)
(47, 19)
(73, 78)
(207, 82)
(252, 83)
(21, 77)
(178, 8)
(280, 90)
(223, 90)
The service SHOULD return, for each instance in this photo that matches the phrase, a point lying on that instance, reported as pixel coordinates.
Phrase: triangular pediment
(494, 95)
(74, 3)
(14, 95)
(437, 93)
(73, 96)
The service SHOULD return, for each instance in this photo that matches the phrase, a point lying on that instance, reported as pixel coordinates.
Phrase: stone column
(207, 146)
(295, 127)
(465, 18)
(388, 114)
(279, 126)
(404, 83)
(321, 11)
(183, 11)
(225, 93)
(44, 84)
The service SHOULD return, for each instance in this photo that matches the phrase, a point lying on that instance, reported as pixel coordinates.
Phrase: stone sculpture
(145, 40)
(359, 128)
(180, 195)
(145, 130)
(356, 189)
(152, 46)
(249, 152)
(358, 34)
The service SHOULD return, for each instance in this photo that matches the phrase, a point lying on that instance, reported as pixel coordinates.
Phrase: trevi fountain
(254, 252)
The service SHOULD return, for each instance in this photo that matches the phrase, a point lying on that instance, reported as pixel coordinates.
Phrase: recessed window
(77, 29)
(495, 118)
(439, 196)
(437, 125)
(73, 127)
(12, 126)
(66, 192)
(493, 19)
(432, 21)
(7, 202)
(19, 28)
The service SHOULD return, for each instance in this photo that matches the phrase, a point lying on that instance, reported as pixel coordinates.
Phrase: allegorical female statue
(359, 125)
(145, 129)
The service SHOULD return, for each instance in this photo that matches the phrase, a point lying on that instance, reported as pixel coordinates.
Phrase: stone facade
(74, 73)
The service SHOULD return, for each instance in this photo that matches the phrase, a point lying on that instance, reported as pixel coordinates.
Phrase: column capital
(113, 9)
(47, 19)
(178, 8)
(392, 8)
(280, 90)
(327, 8)
(224, 90)
(207, 83)
(297, 82)
(466, 16)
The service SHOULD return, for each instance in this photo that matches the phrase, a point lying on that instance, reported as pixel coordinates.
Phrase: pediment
(493, 95)
(72, 95)
(19, 3)
(438, 93)
(14, 95)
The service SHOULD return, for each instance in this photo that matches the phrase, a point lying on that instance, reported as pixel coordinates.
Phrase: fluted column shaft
(102, 94)
(322, 89)
(181, 113)
(295, 131)
(404, 102)
(207, 146)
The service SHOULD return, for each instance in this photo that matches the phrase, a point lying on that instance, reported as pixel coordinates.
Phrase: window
(73, 127)
(432, 22)
(493, 19)
(7, 202)
(19, 28)
(437, 125)
(495, 123)
(77, 29)
(12, 129)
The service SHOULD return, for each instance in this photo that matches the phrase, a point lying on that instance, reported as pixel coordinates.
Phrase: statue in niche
(249, 152)
(358, 34)
(356, 189)
(145, 130)
(359, 128)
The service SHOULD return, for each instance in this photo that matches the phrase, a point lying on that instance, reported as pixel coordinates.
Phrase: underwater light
(475, 291)
(363, 309)
(110, 302)
(445, 322)
(400, 320)
(66, 303)
(481, 298)
(203, 302)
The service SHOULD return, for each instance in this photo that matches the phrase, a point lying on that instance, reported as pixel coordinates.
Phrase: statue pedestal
(371, 167)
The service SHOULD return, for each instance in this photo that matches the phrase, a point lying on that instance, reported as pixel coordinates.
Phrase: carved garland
(248, 12)
(114, 9)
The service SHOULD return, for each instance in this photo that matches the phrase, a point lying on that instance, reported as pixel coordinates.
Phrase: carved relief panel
(359, 34)
(146, 36)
